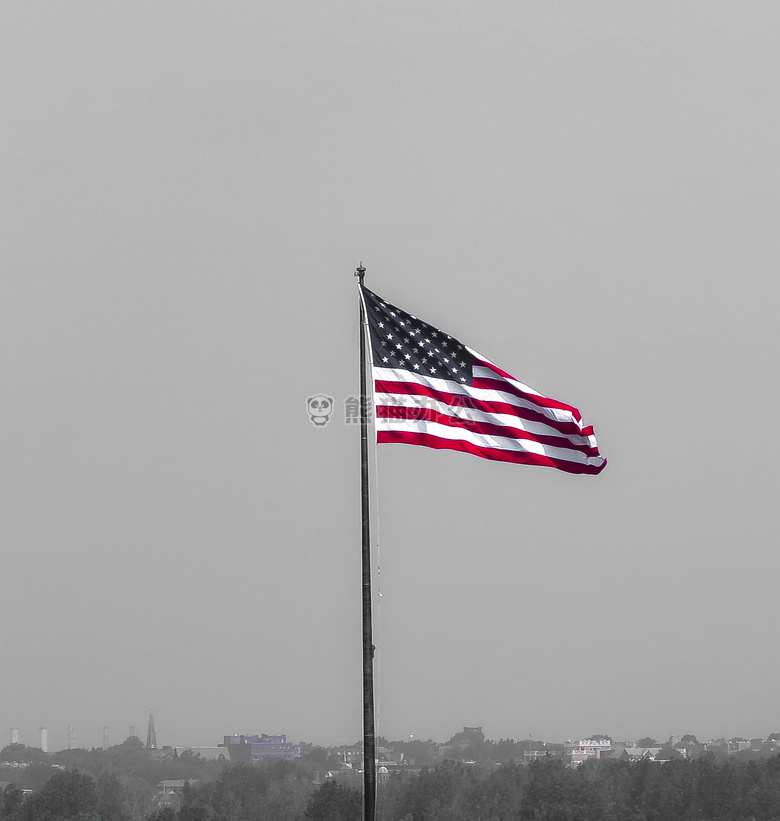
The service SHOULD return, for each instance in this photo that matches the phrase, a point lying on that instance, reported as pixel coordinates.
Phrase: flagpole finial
(360, 272)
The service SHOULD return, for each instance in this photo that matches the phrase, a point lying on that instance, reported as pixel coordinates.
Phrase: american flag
(430, 389)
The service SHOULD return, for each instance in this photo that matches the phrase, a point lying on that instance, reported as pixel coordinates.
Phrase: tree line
(706, 788)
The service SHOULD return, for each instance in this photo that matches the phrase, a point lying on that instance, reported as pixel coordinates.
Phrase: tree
(416, 752)
(287, 800)
(319, 759)
(468, 745)
(668, 753)
(12, 800)
(193, 814)
(110, 798)
(334, 802)
(435, 792)
(553, 789)
(238, 794)
(503, 791)
(647, 741)
(163, 814)
(67, 794)
(21, 752)
(137, 797)
(508, 750)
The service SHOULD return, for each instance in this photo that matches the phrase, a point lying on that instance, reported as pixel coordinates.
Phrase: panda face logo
(320, 408)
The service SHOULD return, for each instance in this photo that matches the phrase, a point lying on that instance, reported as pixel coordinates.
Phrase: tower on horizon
(151, 736)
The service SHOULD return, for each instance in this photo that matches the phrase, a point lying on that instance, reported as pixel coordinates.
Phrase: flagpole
(369, 737)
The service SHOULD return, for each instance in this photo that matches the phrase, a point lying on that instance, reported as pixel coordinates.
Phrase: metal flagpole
(369, 737)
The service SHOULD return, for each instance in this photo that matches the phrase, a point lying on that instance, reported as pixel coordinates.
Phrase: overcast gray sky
(587, 193)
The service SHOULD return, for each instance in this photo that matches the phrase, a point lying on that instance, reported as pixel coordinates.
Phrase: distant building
(352, 756)
(346, 774)
(151, 735)
(168, 793)
(165, 753)
(255, 748)
(623, 752)
(209, 753)
(548, 750)
(391, 758)
(575, 752)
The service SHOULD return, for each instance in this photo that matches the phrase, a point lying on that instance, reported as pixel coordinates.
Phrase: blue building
(254, 748)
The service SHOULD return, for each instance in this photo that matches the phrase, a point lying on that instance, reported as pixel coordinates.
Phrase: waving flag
(432, 390)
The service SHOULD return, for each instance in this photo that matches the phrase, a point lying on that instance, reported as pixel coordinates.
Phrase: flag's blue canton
(400, 340)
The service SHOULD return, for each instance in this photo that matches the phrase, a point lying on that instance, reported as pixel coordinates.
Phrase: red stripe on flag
(486, 383)
(429, 441)
(459, 400)
(484, 428)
